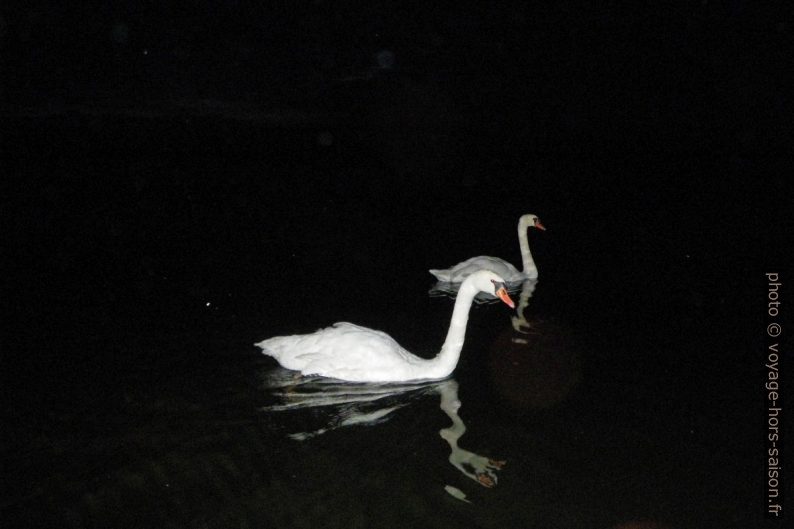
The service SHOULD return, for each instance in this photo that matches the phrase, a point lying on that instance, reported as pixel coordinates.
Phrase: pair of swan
(357, 354)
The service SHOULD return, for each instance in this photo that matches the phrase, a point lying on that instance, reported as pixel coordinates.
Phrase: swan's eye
(497, 285)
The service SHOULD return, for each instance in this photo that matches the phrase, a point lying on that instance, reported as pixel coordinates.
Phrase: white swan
(357, 354)
(460, 271)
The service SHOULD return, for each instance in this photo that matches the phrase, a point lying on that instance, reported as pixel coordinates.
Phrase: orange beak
(540, 226)
(503, 295)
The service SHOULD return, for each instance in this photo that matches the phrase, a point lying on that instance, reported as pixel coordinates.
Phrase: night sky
(435, 95)
(689, 72)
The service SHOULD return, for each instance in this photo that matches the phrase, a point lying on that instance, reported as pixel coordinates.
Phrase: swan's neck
(447, 359)
(530, 270)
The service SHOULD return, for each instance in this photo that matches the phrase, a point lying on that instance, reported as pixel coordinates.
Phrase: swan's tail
(441, 275)
(269, 347)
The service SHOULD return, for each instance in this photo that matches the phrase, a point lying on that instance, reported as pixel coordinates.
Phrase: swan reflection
(519, 321)
(480, 469)
(345, 404)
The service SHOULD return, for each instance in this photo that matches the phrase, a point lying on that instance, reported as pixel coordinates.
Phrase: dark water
(149, 254)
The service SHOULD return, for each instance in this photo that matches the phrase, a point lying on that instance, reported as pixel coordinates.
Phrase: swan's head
(490, 283)
(530, 221)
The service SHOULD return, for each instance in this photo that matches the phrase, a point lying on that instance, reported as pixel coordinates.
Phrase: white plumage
(510, 273)
(350, 352)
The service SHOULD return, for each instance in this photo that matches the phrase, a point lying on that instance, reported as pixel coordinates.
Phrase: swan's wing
(369, 345)
(353, 328)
